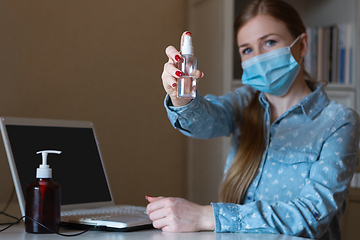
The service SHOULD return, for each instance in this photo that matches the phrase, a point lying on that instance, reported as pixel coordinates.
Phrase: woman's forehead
(260, 26)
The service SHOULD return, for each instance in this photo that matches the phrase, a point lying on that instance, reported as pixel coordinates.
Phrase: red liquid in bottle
(42, 204)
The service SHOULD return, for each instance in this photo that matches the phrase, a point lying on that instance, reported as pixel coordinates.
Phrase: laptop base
(77, 226)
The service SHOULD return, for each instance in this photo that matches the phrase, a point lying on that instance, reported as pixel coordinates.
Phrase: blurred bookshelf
(330, 54)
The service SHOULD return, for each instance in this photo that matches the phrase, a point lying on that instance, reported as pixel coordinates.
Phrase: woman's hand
(171, 73)
(179, 215)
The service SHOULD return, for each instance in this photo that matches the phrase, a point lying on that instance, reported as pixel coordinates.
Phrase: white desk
(18, 232)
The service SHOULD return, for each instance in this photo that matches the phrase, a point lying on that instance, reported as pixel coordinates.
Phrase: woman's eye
(246, 51)
(270, 43)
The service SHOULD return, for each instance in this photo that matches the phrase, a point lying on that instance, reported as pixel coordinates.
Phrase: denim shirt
(310, 157)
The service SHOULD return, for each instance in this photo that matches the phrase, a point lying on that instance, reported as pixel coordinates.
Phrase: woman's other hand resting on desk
(179, 215)
(171, 73)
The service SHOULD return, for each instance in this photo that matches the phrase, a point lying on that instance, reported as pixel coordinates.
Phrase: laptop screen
(78, 169)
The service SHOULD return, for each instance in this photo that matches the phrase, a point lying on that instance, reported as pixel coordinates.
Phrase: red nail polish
(147, 196)
(177, 58)
(188, 33)
(173, 85)
(178, 73)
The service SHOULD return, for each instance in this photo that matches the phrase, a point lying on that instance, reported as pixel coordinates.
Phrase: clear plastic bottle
(43, 200)
(187, 65)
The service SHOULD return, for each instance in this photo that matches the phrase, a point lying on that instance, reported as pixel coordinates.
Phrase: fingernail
(202, 75)
(146, 197)
(188, 33)
(177, 58)
(178, 73)
(173, 85)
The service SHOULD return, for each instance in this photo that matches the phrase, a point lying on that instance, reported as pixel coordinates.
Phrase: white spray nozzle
(44, 170)
(187, 47)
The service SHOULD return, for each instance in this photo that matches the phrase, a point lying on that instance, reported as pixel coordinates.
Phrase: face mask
(273, 72)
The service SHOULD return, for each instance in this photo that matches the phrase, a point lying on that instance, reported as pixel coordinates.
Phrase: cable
(11, 224)
(61, 234)
(8, 216)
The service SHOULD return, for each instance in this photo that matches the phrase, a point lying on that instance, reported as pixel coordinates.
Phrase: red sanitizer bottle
(43, 200)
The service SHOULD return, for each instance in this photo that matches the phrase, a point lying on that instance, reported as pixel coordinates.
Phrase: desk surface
(18, 232)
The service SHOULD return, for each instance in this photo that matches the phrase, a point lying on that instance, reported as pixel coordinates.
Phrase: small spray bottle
(187, 65)
(43, 199)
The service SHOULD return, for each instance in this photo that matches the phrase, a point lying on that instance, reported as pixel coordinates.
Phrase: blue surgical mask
(273, 72)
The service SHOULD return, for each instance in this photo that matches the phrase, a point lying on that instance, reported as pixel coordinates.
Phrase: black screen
(78, 169)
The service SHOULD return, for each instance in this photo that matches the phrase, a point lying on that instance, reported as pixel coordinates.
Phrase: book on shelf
(329, 56)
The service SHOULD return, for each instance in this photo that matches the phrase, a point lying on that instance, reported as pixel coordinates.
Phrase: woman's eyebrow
(267, 35)
(261, 38)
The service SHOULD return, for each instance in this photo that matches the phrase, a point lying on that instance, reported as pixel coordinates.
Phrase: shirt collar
(310, 105)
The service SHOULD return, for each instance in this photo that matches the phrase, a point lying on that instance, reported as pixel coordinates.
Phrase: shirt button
(316, 215)
(248, 198)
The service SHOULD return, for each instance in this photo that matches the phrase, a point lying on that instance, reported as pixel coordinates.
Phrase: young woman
(294, 151)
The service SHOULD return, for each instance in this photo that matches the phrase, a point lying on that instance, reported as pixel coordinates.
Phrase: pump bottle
(187, 65)
(43, 199)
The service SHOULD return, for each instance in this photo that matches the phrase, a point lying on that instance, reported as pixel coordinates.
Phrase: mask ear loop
(295, 41)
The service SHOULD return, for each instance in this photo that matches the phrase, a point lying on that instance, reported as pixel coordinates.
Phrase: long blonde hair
(246, 163)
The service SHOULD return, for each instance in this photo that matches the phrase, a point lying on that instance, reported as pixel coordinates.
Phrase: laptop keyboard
(105, 213)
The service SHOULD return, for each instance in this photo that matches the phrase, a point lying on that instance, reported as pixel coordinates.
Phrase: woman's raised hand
(171, 73)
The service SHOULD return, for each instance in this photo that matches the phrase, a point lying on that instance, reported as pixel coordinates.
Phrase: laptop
(86, 199)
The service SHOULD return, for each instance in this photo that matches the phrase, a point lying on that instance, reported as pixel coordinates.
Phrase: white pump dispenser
(187, 47)
(44, 170)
